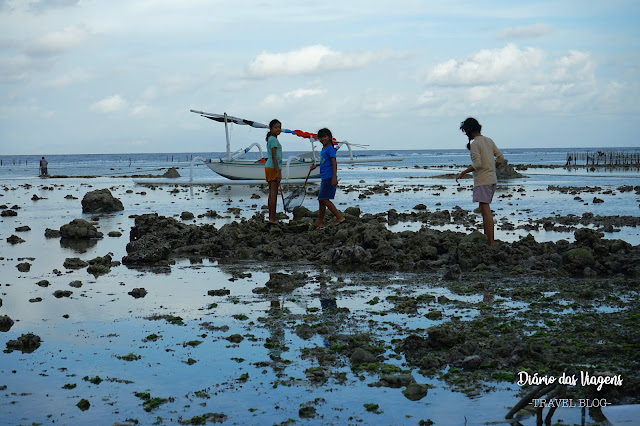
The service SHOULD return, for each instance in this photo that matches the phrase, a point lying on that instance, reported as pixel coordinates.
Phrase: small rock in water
(24, 266)
(138, 292)
(5, 322)
(14, 239)
(26, 343)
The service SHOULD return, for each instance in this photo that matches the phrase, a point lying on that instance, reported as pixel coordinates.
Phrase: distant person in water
(485, 157)
(273, 167)
(329, 176)
(43, 166)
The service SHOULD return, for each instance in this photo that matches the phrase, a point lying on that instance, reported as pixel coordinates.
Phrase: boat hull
(248, 170)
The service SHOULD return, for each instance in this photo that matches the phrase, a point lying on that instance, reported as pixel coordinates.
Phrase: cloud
(281, 99)
(313, 60)
(74, 76)
(57, 42)
(487, 66)
(111, 104)
(532, 31)
(511, 79)
(140, 110)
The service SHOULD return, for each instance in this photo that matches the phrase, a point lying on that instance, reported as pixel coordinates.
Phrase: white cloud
(58, 41)
(111, 104)
(488, 66)
(532, 31)
(574, 66)
(313, 60)
(511, 79)
(74, 76)
(140, 110)
(281, 99)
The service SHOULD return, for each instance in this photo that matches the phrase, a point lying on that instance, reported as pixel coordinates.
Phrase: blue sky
(94, 76)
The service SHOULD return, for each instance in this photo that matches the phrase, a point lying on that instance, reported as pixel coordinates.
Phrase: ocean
(26, 166)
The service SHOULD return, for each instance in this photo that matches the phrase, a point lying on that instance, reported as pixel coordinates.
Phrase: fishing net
(295, 199)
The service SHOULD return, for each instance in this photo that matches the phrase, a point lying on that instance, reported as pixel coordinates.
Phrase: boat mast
(226, 131)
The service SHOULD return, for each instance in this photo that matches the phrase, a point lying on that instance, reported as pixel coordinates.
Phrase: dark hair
(325, 132)
(469, 126)
(272, 123)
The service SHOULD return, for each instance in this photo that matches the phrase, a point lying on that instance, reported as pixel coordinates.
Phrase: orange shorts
(270, 174)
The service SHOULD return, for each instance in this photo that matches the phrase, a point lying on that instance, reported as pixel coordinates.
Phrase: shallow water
(104, 322)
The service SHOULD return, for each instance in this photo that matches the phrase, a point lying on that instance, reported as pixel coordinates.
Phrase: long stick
(305, 181)
(284, 206)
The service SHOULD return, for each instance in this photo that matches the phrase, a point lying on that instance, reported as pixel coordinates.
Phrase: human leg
(332, 208)
(272, 200)
(487, 221)
(321, 211)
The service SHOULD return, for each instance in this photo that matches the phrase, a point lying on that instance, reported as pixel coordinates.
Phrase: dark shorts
(327, 191)
(484, 193)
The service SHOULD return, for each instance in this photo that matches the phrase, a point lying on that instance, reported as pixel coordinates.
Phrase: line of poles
(610, 158)
(18, 162)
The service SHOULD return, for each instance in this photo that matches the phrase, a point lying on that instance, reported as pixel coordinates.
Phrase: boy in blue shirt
(329, 175)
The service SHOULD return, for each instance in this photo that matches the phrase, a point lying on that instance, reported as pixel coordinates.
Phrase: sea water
(84, 335)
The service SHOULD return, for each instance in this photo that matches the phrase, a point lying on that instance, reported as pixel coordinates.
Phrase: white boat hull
(251, 170)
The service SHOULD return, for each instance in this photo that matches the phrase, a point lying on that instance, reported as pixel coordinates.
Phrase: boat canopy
(230, 119)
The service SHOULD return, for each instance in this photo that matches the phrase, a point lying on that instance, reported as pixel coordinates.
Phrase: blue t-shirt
(274, 143)
(326, 166)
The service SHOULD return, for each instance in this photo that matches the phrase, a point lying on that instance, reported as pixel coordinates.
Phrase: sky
(120, 76)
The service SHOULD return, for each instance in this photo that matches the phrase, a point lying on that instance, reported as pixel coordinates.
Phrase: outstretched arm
(464, 172)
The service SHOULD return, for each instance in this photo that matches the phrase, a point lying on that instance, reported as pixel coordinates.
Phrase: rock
(14, 239)
(79, 229)
(579, 258)
(360, 356)
(24, 228)
(74, 263)
(472, 362)
(279, 282)
(453, 273)
(43, 283)
(26, 343)
(396, 380)
(5, 323)
(420, 207)
(138, 292)
(415, 391)
(24, 267)
(8, 213)
(444, 336)
(353, 211)
(305, 331)
(187, 216)
(115, 234)
(506, 171)
(62, 293)
(35, 300)
(219, 292)
(51, 233)
(235, 338)
(307, 412)
(100, 201)
(171, 173)
(597, 200)
(76, 284)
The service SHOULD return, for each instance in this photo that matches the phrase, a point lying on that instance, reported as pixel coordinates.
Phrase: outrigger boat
(240, 171)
